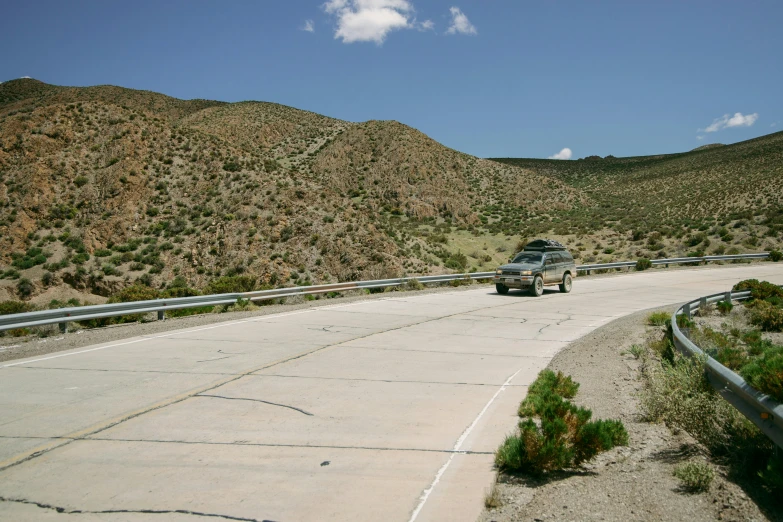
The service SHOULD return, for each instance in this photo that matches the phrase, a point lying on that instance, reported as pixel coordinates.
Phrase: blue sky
(489, 77)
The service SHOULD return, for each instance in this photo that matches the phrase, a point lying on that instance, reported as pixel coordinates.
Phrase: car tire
(567, 283)
(501, 288)
(538, 286)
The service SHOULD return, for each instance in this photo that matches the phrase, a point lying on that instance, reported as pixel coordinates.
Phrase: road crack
(254, 400)
(66, 511)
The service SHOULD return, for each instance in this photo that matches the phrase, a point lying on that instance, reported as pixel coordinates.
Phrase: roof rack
(545, 245)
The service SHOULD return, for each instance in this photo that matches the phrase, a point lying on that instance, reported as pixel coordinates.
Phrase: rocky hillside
(103, 186)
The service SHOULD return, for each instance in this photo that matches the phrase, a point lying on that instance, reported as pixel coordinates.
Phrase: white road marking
(457, 450)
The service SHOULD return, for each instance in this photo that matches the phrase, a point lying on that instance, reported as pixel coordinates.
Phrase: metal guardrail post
(63, 327)
(727, 297)
(161, 315)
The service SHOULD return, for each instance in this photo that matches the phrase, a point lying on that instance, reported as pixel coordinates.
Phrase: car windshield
(527, 257)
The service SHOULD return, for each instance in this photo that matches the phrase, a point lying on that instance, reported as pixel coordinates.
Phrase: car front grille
(510, 273)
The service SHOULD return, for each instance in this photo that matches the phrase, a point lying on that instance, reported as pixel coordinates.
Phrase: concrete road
(386, 409)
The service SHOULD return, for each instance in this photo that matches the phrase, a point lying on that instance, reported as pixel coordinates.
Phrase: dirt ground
(626, 483)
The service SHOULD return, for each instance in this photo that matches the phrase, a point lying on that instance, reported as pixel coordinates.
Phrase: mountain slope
(112, 185)
(745, 179)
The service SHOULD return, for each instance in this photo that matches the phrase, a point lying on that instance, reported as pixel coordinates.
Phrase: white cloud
(427, 25)
(728, 121)
(309, 26)
(699, 138)
(564, 154)
(460, 23)
(25, 78)
(369, 20)
(774, 124)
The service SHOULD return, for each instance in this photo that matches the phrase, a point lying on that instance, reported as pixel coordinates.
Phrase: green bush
(643, 264)
(695, 476)
(762, 290)
(766, 315)
(458, 261)
(658, 318)
(765, 372)
(15, 307)
(231, 284)
(33, 256)
(135, 292)
(565, 438)
(724, 307)
(775, 255)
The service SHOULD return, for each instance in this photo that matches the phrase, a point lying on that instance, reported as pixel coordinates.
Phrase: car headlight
(525, 272)
(498, 272)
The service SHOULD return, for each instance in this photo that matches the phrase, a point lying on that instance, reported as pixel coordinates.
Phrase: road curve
(386, 409)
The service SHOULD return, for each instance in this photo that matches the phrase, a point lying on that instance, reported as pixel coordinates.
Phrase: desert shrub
(24, 287)
(33, 256)
(775, 255)
(643, 264)
(765, 372)
(457, 261)
(102, 252)
(679, 394)
(135, 292)
(683, 321)
(762, 290)
(724, 307)
(658, 318)
(80, 181)
(694, 476)
(15, 307)
(231, 284)
(766, 315)
(565, 438)
(414, 284)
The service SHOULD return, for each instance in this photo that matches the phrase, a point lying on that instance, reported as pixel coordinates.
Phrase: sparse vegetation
(695, 476)
(678, 393)
(658, 318)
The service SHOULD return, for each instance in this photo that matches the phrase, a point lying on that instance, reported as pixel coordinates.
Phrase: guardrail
(672, 261)
(63, 316)
(759, 408)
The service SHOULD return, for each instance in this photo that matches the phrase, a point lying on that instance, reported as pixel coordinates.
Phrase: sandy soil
(626, 483)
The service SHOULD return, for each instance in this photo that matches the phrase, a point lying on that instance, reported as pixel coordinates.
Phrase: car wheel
(538, 286)
(501, 288)
(567, 283)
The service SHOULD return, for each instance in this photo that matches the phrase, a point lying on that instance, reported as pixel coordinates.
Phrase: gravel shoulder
(626, 483)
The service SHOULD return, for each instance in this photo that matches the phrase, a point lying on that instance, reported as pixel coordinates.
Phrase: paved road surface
(385, 409)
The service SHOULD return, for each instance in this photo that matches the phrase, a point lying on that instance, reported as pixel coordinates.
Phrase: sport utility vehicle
(542, 262)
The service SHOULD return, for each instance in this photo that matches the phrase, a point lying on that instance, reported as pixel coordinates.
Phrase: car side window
(550, 260)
